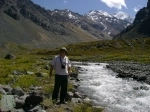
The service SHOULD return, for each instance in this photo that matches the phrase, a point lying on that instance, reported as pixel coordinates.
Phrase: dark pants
(61, 81)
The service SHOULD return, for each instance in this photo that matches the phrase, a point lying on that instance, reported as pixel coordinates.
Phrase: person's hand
(69, 72)
(50, 76)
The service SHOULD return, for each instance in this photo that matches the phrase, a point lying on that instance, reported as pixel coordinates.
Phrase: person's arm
(51, 71)
(69, 67)
(69, 70)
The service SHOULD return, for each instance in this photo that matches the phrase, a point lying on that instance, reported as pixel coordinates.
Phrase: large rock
(17, 91)
(69, 96)
(19, 103)
(77, 95)
(33, 100)
(9, 56)
(2, 91)
(76, 100)
(7, 88)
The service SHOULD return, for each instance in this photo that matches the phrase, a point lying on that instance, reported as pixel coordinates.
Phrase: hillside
(140, 27)
(25, 23)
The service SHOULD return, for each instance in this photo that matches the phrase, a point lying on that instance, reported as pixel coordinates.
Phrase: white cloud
(65, 1)
(136, 9)
(115, 3)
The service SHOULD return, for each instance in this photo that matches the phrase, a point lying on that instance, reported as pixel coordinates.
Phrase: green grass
(86, 108)
(108, 50)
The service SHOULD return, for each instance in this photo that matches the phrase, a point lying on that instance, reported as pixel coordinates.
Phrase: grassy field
(36, 60)
(111, 50)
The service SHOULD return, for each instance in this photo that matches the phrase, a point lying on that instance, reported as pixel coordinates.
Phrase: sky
(84, 6)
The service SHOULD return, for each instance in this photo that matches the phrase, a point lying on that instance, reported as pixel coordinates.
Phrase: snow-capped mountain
(123, 16)
(111, 24)
(97, 23)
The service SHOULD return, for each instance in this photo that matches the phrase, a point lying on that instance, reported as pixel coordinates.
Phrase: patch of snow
(72, 16)
(109, 33)
(105, 27)
(124, 16)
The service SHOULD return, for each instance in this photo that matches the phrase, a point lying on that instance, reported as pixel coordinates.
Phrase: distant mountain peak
(124, 16)
(100, 12)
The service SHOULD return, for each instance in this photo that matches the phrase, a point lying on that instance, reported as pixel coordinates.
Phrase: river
(115, 94)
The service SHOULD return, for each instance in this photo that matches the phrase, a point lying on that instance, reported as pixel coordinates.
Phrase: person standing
(62, 67)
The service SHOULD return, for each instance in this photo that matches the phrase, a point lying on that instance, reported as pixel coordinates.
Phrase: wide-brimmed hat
(64, 49)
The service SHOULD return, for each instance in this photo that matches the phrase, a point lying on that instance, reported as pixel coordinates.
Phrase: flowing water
(115, 94)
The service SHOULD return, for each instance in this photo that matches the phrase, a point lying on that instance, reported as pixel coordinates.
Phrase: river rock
(142, 78)
(86, 100)
(69, 96)
(17, 91)
(76, 100)
(76, 85)
(137, 71)
(144, 88)
(77, 95)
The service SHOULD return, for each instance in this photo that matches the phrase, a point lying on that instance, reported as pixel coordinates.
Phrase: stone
(2, 91)
(38, 74)
(17, 72)
(76, 100)
(77, 95)
(19, 103)
(78, 80)
(144, 88)
(47, 67)
(7, 88)
(17, 91)
(9, 56)
(76, 85)
(86, 100)
(30, 73)
(69, 96)
(33, 100)
(142, 78)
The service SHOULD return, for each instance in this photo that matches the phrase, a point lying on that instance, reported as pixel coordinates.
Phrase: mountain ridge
(26, 23)
(140, 27)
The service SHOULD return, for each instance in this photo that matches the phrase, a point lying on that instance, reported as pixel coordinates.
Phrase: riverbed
(115, 94)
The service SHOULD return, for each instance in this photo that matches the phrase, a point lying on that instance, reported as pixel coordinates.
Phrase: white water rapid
(115, 94)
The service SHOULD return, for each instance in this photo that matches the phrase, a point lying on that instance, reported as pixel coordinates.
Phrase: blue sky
(84, 6)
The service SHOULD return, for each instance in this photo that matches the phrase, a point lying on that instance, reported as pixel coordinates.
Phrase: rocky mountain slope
(110, 24)
(25, 23)
(140, 27)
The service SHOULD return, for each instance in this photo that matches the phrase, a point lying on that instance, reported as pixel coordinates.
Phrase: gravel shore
(135, 70)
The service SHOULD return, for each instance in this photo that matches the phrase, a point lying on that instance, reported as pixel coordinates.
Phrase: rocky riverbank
(135, 70)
